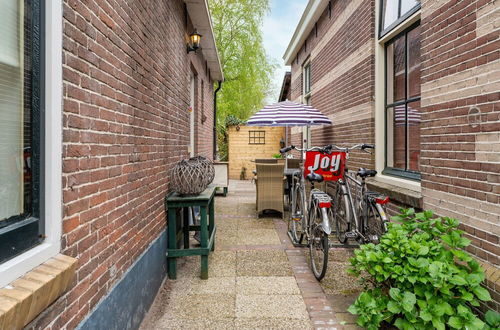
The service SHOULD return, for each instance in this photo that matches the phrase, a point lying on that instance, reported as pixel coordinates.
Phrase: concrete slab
(271, 306)
(267, 285)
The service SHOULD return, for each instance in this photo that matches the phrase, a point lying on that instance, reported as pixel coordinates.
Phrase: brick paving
(257, 279)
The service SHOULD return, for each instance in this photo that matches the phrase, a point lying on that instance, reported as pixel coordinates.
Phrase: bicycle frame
(307, 203)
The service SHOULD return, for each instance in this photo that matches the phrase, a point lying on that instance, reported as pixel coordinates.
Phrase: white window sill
(20, 265)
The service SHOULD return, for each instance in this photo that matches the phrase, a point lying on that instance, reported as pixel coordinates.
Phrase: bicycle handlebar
(329, 148)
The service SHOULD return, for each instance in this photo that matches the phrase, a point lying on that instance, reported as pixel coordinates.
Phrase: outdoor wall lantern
(194, 42)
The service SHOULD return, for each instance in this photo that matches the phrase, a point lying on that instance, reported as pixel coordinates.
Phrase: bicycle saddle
(314, 177)
(363, 172)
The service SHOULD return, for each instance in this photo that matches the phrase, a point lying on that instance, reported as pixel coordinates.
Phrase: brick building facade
(421, 80)
(131, 94)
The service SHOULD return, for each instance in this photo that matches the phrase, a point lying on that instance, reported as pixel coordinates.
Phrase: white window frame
(51, 246)
(380, 123)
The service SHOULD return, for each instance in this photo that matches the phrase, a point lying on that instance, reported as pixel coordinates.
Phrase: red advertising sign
(330, 166)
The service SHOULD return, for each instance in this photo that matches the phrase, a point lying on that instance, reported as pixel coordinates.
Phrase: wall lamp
(194, 42)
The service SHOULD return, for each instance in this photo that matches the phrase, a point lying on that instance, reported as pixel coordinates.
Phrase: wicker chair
(270, 185)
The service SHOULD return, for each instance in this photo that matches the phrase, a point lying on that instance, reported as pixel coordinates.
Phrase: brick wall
(126, 122)
(342, 62)
(460, 161)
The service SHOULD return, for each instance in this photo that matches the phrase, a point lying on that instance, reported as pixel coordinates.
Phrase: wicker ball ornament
(192, 176)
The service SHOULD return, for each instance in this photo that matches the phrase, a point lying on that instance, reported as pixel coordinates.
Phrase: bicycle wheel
(376, 226)
(342, 213)
(318, 246)
(297, 216)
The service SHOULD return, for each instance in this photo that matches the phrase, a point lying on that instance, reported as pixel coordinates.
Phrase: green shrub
(419, 277)
(492, 319)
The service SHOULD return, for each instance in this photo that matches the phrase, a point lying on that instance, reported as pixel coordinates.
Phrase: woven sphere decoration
(191, 177)
(208, 168)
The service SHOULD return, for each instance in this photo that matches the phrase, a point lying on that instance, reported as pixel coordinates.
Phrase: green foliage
(232, 120)
(237, 26)
(419, 276)
(277, 156)
(492, 319)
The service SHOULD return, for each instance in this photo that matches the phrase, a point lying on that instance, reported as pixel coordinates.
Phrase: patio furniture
(270, 185)
(221, 179)
(293, 163)
(177, 230)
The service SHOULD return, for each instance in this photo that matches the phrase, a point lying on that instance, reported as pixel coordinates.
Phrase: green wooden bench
(177, 230)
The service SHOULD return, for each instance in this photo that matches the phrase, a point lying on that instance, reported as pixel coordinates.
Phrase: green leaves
(481, 293)
(422, 274)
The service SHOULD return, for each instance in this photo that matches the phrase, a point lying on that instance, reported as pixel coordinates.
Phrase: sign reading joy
(330, 166)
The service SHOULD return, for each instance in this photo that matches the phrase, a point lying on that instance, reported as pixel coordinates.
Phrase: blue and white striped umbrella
(288, 114)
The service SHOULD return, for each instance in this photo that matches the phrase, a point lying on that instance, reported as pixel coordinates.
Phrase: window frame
(405, 173)
(306, 93)
(51, 97)
(261, 137)
(401, 18)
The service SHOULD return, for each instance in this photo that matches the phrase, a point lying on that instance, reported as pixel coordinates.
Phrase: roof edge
(311, 14)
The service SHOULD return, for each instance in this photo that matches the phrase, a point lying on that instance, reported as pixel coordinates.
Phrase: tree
(248, 71)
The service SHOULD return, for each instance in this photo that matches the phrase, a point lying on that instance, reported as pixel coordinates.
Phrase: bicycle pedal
(296, 219)
(351, 234)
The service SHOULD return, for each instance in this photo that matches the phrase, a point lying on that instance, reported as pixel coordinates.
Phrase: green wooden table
(177, 231)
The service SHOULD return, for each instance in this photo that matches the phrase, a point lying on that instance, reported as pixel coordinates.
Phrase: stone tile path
(257, 279)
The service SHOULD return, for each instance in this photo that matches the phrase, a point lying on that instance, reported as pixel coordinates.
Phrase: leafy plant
(418, 276)
(492, 319)
(277, 156)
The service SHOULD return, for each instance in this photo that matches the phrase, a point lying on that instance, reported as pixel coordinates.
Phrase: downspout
(215, 119)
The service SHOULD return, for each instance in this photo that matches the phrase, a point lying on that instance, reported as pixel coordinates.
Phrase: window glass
(393, 12)
(389, 12)
(19, 126)
(407, 5)
(257, 137)
(15, 111)
(396, 137)
(403, 101)
(307, 79)
(414, 62)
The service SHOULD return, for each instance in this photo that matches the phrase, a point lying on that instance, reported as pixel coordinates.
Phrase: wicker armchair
(293, 163)
(270, 185)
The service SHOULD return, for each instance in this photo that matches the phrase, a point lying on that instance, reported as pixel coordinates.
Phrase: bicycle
(310, 219)
(362, 217)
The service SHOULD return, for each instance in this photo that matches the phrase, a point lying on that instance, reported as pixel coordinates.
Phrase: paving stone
(212, 285)
(262, 263)
(341, 303)
(338, 281)
(257, 236)
(272, 323)
(190, 324)
(270, 306)
(266, 285)
(198, 306)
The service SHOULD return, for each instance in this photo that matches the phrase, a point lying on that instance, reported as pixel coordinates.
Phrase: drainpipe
(215, 119)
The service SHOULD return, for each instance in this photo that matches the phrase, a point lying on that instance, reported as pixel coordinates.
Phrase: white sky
(278, 29)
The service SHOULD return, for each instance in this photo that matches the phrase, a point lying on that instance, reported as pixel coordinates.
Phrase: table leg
(185, 230)
(211, 224)
(172, 242)
(204, 242)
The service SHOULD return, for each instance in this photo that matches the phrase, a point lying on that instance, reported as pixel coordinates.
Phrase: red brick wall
(342, 64)
(126, 122)
(460, 160)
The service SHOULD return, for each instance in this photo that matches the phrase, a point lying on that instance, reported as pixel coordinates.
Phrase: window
(257, 137)
(306, 73)
(396, 11)
(402, 109)
(20, 128)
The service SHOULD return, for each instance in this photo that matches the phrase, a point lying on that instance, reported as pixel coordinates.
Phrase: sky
(278, 29)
